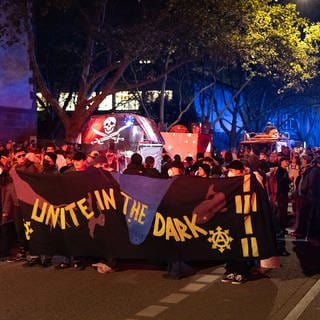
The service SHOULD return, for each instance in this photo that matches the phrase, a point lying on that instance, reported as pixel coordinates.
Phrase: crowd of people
(287, 177)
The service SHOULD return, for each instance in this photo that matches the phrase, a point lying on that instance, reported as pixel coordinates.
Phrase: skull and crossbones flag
(119, 131)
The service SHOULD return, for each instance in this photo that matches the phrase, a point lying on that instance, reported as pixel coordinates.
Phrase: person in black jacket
(135, 166)
(7, 210)
(283, 188)
(149, 169)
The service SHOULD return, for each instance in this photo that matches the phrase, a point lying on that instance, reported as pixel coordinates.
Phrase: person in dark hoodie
(203, 171)
(49, 163)
(7, 210)
(283, 183)
(135, 166)
(150, 170)
(177, 162)
(21, 163)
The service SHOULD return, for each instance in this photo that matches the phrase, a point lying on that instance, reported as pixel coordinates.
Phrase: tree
(280, 44)
(272, 42)
(117, 54)
(276, 44)
(261, 102)
(106, 46)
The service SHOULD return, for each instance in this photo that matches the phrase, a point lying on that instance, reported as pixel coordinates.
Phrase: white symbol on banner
(109, 133)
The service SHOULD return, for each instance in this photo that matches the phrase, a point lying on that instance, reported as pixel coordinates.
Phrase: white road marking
(151, 311)
(219, 270)
(193, 287)
(174, 298)
(304, 302)
(196, 285)
(208, 278)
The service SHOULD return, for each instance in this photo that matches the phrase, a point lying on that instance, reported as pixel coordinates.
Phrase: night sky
(309, 8)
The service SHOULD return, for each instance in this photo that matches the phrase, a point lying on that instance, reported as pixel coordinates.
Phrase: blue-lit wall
(18, 117)
(301, 124)
(221, 96)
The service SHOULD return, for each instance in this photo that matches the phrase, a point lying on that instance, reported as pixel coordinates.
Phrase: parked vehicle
(261, 142)
(122, 134)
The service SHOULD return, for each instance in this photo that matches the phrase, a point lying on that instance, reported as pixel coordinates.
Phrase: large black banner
(95, 213)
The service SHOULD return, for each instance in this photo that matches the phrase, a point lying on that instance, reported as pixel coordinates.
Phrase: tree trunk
(162, 125)
(73, 128)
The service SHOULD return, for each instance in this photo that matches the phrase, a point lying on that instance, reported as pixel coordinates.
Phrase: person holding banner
(79, 163)
(21, 163)
(49, 168)
(177, 269)
(236, 271)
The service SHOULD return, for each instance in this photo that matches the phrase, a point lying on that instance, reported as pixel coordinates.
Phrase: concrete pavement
(139, 291)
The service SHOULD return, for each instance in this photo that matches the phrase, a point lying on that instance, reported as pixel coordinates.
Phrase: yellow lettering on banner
(173, 227)
(62, 219)
(109, 199)
(193, 227)
(99, 200)
(135, 209)
(238, 201)
(171, 230)
(126, 201)
(245, 247)
(159, 226)
(34, 215)
(182, 229)
(248, 225)
(52, 215)
(142, 215)
(70, 207)
(247, 204)
(254, 247)
(83, 208)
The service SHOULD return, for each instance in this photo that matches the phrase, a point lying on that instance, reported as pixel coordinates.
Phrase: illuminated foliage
(100, 46)
(278, 43)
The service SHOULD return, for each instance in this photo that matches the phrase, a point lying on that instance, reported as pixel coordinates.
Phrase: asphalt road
(139, 291)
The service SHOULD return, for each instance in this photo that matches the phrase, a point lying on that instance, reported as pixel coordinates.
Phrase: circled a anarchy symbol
(220, 239)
